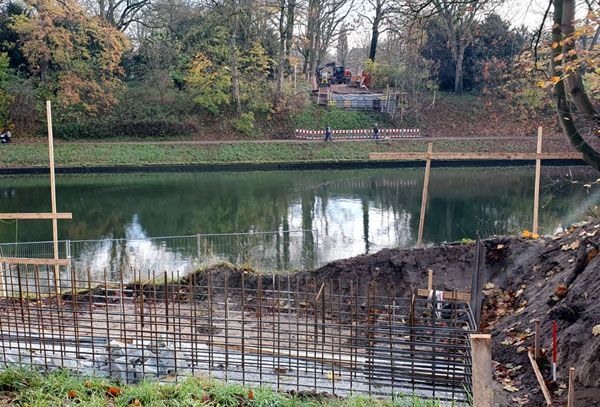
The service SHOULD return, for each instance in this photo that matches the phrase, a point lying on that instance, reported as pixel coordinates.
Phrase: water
(351, 211)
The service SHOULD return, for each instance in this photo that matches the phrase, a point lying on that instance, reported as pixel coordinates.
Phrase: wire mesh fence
(267, 251)
(289, 332)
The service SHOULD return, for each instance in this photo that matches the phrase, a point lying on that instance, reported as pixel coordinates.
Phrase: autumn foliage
(76, 57)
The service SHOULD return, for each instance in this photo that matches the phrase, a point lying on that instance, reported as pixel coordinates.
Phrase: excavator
(339, 75)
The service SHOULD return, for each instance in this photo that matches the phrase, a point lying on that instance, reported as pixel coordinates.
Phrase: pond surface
(350, 211)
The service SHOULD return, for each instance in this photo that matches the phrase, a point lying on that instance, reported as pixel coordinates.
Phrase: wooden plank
(424, 197)
(66, 215)
(571, 397)
(45, 262)
(447, 294)
(540, 379)
(481, 349)
(538, 170)
(476, 156)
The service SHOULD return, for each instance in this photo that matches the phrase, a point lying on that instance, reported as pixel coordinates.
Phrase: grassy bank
(19, 387)
(143, 154)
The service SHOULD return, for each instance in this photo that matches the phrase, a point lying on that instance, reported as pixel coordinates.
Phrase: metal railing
(289, 332)
(267, 251)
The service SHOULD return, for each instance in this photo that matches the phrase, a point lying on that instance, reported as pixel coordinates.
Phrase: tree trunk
(289, 31)
(585, 109)
(563, 109)
(458, 76)
(280, 59)
(235, 80)
(374, 39)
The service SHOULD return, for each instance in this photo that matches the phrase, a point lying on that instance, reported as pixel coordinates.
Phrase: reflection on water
(350, 211)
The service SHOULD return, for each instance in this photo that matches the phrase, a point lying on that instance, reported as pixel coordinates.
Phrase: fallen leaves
(571, 246)
(113, 391)
(526, 233)
(561, 291)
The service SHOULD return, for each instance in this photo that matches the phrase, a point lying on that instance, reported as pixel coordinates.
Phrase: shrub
(245, 124)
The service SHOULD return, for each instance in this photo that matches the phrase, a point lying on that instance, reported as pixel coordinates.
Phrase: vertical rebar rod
(367, 336)
(243, 317)
(316, 331)
(90, 311)
(411, 321)
(166, 295)
(297, 333)
(391, 339)
(352, 338)
(331, 321)
(28, 302)
(177, 341)
(123, 322)
(40, 318)
(194, 322)
(107, 320)
(210, 323)
(260, 327)
(155, 320)
(75, 309)
(433, 332)
(278, 302)
(226, 324)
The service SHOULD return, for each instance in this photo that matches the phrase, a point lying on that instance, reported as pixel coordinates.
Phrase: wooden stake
(571, 397)
(424, 198)
(53, 194)
(540, 379)
(481, 349)
(536, 197)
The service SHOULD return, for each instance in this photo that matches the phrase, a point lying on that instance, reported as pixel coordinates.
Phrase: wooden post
(481, 349)
(53, 194)
(424, 198)
(538, 168)
(295, 70)
(571, 397)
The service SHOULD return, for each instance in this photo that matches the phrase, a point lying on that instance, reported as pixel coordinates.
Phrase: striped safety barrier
(357, 134)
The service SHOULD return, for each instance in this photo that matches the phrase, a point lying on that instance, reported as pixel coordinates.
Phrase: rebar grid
(285, 331)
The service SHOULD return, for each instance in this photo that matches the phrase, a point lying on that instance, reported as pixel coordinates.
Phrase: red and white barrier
(358, 134)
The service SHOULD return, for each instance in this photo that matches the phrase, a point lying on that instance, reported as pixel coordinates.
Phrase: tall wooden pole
(538, 168)
(424, 198)
(53, 193)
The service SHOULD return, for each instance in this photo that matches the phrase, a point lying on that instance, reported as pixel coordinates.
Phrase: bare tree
(323, 21)
(119, 13)
(342, 46)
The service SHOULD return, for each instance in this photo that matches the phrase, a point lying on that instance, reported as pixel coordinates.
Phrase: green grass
(114, 154)
(23, 387)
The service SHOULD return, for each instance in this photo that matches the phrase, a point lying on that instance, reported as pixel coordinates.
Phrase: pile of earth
(553, 278)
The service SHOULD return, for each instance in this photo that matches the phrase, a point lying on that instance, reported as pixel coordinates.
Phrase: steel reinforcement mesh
(287, 332)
